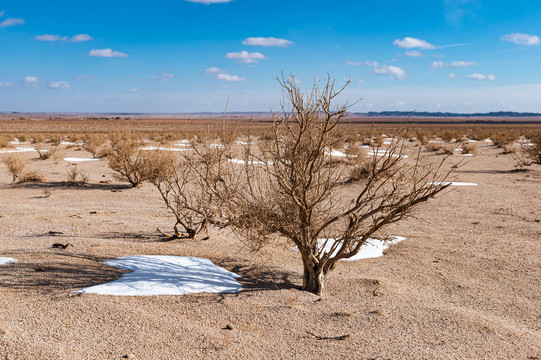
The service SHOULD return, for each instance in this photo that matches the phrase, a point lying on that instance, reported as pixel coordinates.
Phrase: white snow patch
(6, 260)
(74, 159)
(241, 142)
(217, 146)
(80, 143)
(20, 150)
(337, 153)
(166, 275)
(372, 248)
(454, 183)
(160, 148)
(385, 153)
(185, 143)
(468, 154)
(248, 162)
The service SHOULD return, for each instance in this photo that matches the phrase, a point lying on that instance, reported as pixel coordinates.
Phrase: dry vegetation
(464, 284)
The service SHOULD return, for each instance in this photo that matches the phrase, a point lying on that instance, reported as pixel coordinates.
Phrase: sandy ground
(466, 284)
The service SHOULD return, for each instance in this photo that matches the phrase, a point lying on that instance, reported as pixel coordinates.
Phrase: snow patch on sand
(69, 143)
(74, 159)
(20, 150)
(454, 183)
(160, 148)
(385, 153)
(248, 162)
(372, 248)
(7, 260)
(184, 143)
(166, 275)
(337, 153)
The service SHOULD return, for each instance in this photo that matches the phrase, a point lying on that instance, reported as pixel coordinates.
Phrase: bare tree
(299, 192)
(530, 153)
(193, 186)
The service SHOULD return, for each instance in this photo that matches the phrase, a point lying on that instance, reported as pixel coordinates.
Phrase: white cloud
(11, 22)
(478, 76)
(453, 64)
(395, 71)
(208, 2)
(397, 102)
(73, 39)
(267, 41)
(82, 77)
(451, 76)
(6, 84)
(163, 76)
(521, 39)
(132, 90)
(106, 53)
(229, 78)
(48, 37)
(246, 57)
(460, 64)
(414, 53)
(59, 85)
(358, 63)
(80, 38)
(30, 79)
(2, 13)
(214, 70)
(223, 75)
(411, 43)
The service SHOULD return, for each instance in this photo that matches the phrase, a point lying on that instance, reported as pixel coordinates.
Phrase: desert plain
(465, 284)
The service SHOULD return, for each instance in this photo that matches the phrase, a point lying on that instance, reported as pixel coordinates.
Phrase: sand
(466, 284)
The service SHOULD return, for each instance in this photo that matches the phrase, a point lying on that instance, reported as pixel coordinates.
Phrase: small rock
(228, 327)
(129, 356)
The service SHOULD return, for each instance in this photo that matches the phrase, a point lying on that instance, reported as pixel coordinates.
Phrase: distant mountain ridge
(449, 114)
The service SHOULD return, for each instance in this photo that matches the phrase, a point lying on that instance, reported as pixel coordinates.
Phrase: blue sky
(194, 55)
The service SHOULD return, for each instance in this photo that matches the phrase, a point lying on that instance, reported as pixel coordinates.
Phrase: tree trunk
(313, 277)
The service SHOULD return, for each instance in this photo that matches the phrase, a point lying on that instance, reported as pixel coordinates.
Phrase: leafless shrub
(530, 153)
(193, 186)
(437, 147)
(469, 149)
(95, 144)
(31, 176)
(421, 137)
(502, 140)
(127, 158)
(15, 165)
(76, 177)
(297, 195)
(43, 153)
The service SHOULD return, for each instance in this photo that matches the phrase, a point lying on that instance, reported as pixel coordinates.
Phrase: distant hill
(449, 114)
